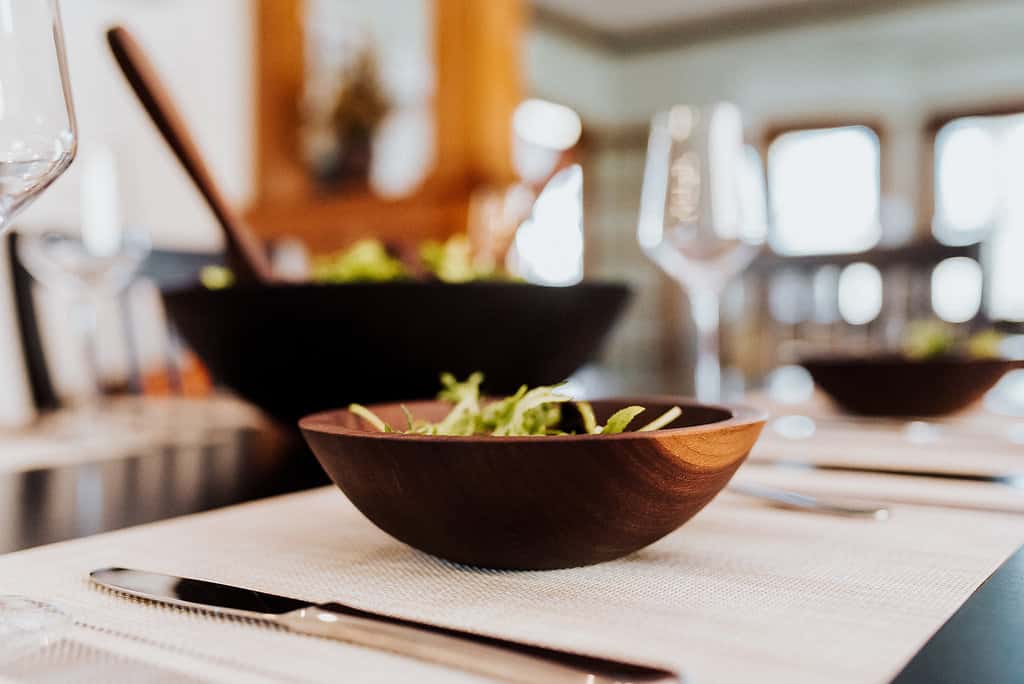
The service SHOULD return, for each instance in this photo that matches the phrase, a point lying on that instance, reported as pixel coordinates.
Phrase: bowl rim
(189, 287)
(740, 415)
(894, 359)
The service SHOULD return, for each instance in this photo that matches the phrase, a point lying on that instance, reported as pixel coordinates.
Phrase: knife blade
(1012, 480)
(500, 659)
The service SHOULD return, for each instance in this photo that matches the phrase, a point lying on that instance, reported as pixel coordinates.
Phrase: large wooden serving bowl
(534, 502)
(296, 349)
(892, 385)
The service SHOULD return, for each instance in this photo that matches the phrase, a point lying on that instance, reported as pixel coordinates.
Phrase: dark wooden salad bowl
(295, 349)
(534, 502)
(893, 385)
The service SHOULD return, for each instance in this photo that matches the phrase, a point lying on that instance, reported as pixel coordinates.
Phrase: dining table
(747, 590)
(97, 467)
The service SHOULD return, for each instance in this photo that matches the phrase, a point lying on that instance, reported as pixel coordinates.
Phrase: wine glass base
(27, 625)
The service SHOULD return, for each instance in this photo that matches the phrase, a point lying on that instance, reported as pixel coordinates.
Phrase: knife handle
(501, 660)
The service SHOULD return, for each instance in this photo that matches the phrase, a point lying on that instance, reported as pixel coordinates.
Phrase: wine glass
(37, 143)
(702, 215)
(94, 259)
(37, 118)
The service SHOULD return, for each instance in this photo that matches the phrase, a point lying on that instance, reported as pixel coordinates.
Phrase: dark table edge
(982, 641)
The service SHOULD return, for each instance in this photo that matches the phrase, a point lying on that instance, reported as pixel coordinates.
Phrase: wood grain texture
(534, 502)
(891, 385)
(245, 254)
(279, 50)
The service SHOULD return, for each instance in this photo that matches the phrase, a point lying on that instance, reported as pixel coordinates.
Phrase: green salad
(366, 261)
(933, 339)
(370, 261)
(452, 261)
(528, 412)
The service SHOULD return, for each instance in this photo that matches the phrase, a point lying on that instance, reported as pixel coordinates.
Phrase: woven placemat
(742, 592)
(971, 443)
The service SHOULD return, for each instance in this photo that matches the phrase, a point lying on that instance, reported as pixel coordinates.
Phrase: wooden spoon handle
(244, 252)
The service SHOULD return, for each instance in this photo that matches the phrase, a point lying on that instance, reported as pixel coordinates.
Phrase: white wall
(202, 50)
(915, 58)
(898, 67)
(575, 74)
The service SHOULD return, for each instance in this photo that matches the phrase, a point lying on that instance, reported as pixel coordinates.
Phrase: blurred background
(887, 139)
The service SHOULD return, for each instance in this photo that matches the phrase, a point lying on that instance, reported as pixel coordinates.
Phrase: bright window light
(542, 131)
(753, 197)
(1006, 246)
(956, 289)
(860, 293)
(825, 190)
(547, 124)
(979, 176)
(549, 244)
(1006, 289)
(965, 174)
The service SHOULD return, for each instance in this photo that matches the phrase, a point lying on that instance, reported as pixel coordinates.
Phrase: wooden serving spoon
(245, 254)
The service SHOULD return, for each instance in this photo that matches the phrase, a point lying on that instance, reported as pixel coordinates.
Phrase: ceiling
(656, 24)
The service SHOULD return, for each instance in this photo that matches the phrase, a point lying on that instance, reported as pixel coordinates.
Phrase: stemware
(37, 143)
(94, 259)
(702, 215)
(37, 119)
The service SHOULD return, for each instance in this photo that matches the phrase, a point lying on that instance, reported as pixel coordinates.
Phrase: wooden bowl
(296, 349)
(534, 502)
(893, 385)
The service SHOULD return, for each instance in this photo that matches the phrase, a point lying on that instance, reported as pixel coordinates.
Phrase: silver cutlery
(805, 502)
(1013, 480)
(500, 659)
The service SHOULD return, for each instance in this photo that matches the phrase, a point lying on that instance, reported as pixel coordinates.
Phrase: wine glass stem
(704, 306)
(87, 313)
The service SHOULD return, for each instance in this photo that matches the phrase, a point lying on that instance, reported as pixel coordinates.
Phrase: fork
(785, 498)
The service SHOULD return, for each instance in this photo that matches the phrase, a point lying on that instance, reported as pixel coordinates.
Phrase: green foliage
(933, 339)
(365, 261)
(452, 261)
(621, 419)
(527, 413)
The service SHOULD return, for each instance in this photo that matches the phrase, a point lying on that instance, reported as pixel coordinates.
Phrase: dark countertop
(182, 471)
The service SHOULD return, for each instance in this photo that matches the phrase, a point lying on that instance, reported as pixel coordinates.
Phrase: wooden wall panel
(279, 61)
(479, 84)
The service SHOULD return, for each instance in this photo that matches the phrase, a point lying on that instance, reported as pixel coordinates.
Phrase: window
(979, 173)
(956, 289)
(824, 189)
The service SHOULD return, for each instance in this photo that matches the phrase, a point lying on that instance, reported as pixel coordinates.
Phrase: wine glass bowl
(66, 261)
(38, 141)
(37, 123)
(96, 257)
(84, 264)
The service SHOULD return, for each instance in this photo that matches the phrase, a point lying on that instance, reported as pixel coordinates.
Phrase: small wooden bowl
(534, 502)
(892, 385)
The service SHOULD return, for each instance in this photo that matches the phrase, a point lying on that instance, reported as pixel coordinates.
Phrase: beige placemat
(120, 427)
(889, 489)
(741, 593)
(980, 445)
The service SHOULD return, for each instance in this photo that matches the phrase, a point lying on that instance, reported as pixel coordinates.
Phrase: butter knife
(502, 660)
